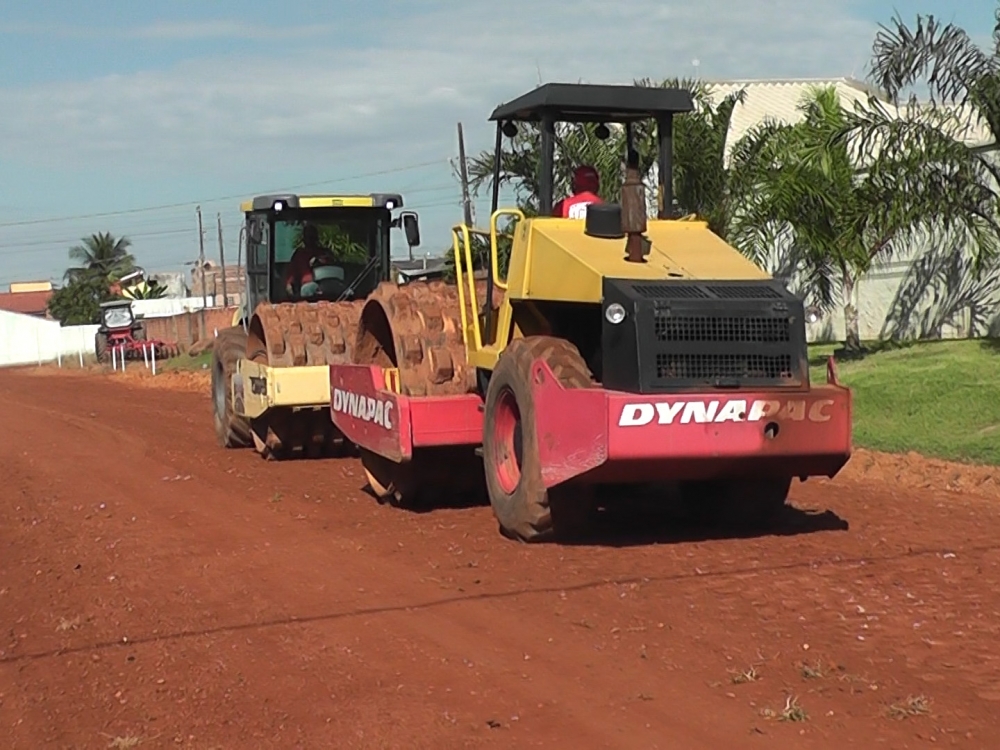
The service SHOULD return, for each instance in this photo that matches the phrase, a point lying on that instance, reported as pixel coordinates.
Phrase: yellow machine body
(553, 260)
(258, 388)
(323, 201)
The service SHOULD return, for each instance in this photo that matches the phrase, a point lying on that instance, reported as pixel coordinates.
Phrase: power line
(181, 213)
(216, 200)
(161, 229)
(193, 231)
(15, 249)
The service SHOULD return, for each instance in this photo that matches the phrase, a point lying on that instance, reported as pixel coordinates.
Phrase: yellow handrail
(462, 248)
(466, 240)
(494, 252)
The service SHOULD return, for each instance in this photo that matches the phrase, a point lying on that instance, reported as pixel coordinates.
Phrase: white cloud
(174, 30)
(223, 29)
(341, 108)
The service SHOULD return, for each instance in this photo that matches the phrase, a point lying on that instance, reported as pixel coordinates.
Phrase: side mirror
(411, 226)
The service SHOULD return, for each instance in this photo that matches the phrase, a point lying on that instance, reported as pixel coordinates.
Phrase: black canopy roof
(581, 102)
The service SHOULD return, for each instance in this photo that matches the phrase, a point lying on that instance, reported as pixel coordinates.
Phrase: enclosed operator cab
(320, 248)
(310, 263)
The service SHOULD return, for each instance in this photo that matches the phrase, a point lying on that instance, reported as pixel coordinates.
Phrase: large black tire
(231, 430)
(749, 503)
(101, 347)
(522, 505)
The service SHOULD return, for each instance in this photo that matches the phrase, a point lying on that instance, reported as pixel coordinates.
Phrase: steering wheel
(333, 288)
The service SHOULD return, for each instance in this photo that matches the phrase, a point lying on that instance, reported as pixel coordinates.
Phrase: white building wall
(168, 306)
(927, 291)
(25, 339)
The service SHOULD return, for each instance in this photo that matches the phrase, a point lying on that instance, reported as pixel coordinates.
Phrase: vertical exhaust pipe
(633, 202)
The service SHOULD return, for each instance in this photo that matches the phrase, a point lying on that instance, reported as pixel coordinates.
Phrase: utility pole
(222, 260)
(201, 267)
(464, 175)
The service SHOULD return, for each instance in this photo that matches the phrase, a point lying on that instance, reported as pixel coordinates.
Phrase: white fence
(168, 306)
(25, 339)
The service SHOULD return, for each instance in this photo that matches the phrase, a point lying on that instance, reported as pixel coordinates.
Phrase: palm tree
(145, 290)
(702, 179)
(853, 189)
(101, 255)
(955, 69)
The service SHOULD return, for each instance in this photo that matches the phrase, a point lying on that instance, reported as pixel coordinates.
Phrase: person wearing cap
(586, 182)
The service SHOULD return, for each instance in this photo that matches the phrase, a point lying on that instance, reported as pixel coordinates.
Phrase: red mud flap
(392, 425)
(613, 436)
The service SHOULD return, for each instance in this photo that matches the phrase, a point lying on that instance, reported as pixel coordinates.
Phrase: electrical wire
(165, 206)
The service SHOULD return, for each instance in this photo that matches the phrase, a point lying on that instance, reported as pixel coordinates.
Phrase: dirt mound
(136, 374)
(911, 470)
(192, 381)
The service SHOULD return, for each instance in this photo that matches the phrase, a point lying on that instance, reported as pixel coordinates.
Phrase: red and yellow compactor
(615, 350)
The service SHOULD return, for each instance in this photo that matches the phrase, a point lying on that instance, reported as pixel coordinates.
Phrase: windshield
(321, 257)
(117, 317)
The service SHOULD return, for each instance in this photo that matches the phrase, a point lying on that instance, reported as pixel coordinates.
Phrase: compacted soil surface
(159, 591)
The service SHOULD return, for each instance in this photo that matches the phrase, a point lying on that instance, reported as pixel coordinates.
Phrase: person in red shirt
(586, 183)
(300, 269)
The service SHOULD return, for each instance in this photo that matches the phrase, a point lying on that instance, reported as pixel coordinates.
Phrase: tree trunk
(852, 327)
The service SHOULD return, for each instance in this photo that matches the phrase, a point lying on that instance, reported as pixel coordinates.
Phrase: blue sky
(110, 107)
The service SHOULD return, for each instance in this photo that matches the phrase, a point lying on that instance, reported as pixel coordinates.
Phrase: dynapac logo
(369, 409)
(734, 410)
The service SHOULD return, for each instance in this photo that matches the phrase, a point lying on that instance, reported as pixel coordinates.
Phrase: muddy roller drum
(297, 335)
(416, 328)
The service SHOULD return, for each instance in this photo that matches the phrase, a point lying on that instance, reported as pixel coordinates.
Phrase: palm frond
(996, 32)
(943, 55)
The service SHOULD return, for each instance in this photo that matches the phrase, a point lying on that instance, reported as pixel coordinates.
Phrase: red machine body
(595, 435)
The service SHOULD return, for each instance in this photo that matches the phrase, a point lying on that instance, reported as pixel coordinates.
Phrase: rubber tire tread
(231, 430)
(526, 514)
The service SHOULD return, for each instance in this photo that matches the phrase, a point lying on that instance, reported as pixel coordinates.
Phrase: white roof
(779, 100)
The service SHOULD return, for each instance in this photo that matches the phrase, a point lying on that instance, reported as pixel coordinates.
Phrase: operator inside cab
(586, 183)
(301, 277)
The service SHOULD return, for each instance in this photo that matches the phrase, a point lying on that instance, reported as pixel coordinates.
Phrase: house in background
(173, 282)
(27, 298)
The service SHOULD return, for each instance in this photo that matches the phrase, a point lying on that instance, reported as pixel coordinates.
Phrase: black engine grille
(683, 335)
(703, 328)
(711, 366)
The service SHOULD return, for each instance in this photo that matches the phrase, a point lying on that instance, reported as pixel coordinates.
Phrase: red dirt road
(154, 586)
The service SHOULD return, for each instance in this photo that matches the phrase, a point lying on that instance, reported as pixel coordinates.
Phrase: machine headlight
(278, 205)
(615, 313)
